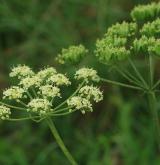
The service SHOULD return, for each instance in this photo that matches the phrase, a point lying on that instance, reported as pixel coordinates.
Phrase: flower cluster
(123, 29)
(46, 72)
(151, 28)
(40, 106)
(4, 112)
(58, 79)
(72, 55)
(14, 92)
(79, 103)
(83, 100)
(21, 71)
(49, 91)
(36, 92)
(86, 94)
(147, 45)
(28, 82)
(113, 47)
(91, 92)
(121, 39)
(87, 74)
(146, 12)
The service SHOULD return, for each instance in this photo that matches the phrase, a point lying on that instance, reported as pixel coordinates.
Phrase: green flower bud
(151, 28)
(72, 55)
(146, 12)
(111, 49)
(155, 49)
(122, 30)
(143, 44)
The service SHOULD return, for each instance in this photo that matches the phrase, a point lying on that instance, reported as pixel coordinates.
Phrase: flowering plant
(36, 94)
(125, 43)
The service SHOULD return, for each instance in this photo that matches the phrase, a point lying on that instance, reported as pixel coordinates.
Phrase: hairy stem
(60, 141)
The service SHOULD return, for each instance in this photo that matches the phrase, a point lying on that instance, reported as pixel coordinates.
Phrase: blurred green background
(118, 132)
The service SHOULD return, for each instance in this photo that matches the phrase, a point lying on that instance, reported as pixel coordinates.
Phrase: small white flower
(21, 71)
(40, 106)
(59, 79)
(79, 103)
(30, 81)
(4, 112)
(87, 74)
(50, 91)
(91, 92)
(14, 92)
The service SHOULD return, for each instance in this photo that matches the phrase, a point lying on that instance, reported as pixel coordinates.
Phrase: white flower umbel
(91, 92)
(4, 112)
(43, 87)
(87, 74)
(59, 80)
(14, 92)
(30, 81)
(21, 71)
(79, 103)
(39, 106)
(40, 90)
(50, 91)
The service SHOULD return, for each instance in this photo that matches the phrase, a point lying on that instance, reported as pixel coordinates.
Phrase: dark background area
(118, 132)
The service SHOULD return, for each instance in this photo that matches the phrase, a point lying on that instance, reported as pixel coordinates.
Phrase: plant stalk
(120, 84)
(60, 141)
(152, 104)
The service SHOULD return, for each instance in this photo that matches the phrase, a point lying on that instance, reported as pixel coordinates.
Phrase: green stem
(63, 103)
(127, 75)
(138, 73)
(121, 84)
(61, 110)
(60, 141)
(22, 119)
(11, 106)
(152, 104)
(151, 70)
(29, 95)
(156, 84)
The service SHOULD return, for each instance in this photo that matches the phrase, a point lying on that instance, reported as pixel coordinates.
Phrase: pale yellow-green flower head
(4, 112)
(91, 92)
(37, 95)
(59, 80)
(87, 74)
(21, 71)
(39, 106)
(50, 91)
(79, 103)
(14, 92)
